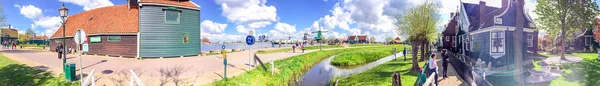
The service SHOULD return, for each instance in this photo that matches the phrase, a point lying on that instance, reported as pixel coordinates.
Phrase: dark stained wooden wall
(127, 47)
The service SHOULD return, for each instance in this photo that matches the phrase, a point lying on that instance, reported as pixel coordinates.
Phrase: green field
(289, 69)
(364, 55)
(382, 75)
(297, 49)
(584, 73)
(13, 73)
(361, 45)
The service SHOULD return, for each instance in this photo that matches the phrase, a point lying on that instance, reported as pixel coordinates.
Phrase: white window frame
(178, 17)
(471, 42)
(447, 38)
(502, 49)
(453, 41)
(529, 40)
(587, 40)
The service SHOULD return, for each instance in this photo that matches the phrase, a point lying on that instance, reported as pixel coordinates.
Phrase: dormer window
(498, 20)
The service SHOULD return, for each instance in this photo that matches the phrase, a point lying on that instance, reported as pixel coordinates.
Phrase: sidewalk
(453, 77)
(197, 70)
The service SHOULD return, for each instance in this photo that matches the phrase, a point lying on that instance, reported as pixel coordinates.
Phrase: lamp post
(63, 14)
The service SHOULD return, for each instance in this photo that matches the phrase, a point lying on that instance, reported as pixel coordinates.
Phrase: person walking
(445, 63)
(294, 48)
(404, 53)
(433, 68)
(14, 45)
(302, 48)
(59, 50)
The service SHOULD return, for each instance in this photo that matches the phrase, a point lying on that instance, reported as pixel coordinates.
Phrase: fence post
(396, 79)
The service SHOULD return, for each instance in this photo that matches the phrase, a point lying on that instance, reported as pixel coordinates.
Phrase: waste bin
(70, 71)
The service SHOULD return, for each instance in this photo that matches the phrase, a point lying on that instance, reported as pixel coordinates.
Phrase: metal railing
(87, 80)
(135, 79)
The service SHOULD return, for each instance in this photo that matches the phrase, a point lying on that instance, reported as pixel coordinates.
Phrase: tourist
(302, 48)
(70, 50)
(59, 50)
(294, 48)
(445, 63)
(404, 53)
(433, 68)
(14, 44)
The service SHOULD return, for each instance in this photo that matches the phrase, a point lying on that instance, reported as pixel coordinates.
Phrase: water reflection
(322, 73)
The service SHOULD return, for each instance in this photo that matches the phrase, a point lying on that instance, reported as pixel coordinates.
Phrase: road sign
(80, 37)
(85, 47)
(250, 40)
(222, 46)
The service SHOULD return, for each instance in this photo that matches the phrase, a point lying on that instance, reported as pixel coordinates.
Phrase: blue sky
(230, 20)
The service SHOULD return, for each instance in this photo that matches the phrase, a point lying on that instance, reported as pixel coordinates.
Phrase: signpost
(80, 38)
(224, 53)
(250, 41)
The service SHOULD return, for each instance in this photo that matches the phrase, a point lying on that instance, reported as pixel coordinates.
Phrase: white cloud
(17, 6)
(285, 28)
(31, 11)
(51, 24)
(89, 4)
(251, 13)
(212, 27)
(531, 6)
(244, 30)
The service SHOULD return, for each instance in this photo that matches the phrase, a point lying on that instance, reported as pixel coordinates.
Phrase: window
(185, 38)
(588, 40)
(95, 39)
(5, 34)
(172, 16)
(453, 41)
(497, 42)
(529, 40)
(471, 42)
(114, 38)
(57, 41)
(447, 38)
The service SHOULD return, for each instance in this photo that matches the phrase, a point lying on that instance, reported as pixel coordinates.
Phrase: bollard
(272, 68)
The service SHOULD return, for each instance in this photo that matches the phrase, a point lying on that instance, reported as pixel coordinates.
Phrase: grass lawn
(362, 56)
(576, 74)
(360, 45)
(382, 75)
(297, 49)
(289, 69)
(13, 73)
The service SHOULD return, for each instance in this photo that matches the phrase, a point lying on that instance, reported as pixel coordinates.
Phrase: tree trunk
(562, 41)
(422, 46)
(415, 50)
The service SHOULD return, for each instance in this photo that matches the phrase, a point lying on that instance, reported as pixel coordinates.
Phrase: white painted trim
(488, 29)
(529, 40)
(138, 45)
(589, 42)
(99, 34)
(509, 5)
(146, 3)
(195, 4)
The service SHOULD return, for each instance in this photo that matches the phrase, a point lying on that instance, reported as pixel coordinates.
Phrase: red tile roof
(106, 20)
(184, 3)
(363, 37)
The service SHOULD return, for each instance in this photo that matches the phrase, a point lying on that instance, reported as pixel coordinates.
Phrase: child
(302, 48)
(294, 48)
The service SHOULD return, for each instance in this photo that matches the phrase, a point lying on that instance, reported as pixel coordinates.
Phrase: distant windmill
(319, 36)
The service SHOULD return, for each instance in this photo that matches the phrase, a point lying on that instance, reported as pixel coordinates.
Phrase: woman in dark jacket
(59, 50)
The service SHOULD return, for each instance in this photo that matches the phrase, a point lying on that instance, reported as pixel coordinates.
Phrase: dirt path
(453, 78)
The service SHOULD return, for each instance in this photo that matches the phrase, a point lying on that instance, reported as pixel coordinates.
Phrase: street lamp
(63, 14)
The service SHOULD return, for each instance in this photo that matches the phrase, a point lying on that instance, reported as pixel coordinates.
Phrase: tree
(23, 38)
(372, 39)
(389, 39)
(563, 17)
(2, 17)
(418, 24)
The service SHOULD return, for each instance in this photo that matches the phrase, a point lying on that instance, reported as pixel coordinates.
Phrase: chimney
(482, 11)
(9, 26)
(132, 3)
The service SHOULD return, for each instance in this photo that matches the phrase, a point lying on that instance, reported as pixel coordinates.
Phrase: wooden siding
(160, 39)
(481, 48)
(126, 47)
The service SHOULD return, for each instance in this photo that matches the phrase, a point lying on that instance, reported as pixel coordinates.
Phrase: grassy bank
(576, 74)
(297, 49)
(361, 45)
(13, 73)
(289, 69)
(364, 55)
(382, 75)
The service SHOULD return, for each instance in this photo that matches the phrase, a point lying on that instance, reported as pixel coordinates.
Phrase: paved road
(114, 71)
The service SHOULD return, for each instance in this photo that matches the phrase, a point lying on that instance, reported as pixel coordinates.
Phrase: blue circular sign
(250, 40)
(223, 46)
